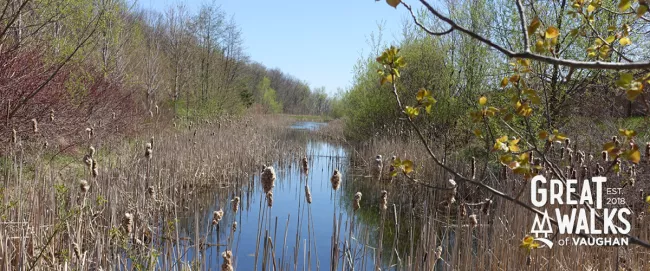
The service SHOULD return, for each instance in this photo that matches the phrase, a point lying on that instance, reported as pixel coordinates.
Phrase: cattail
(77, 250)
(151, 191)
(45, 144)
(473, 221)
(585, 172)
(151, 141)
(83, 186)
(95, 171)
(150, 113)
(234, 226)
(268, 179)
(34, 126)
(227, 261)
(574, 174)
(599, 170)
(216, 216)
(451, 194)
(336, 179)
(383, 200)
(91, 151)
(305, 165)
(157, 110)
(235, 204)
(391, 168)
(529, 260)
(647, 152)
(269, 198)
(562, 153)
(148, 150)
(604, 155)
(356, 204)
(127, 223)
(307, 194)
(615, 140)
(474, 167)
(52, 115)
(88, 160)
(581, 158)
(504, 172)
(438, 253)
(14, 136)
(377, 167)
(486, 206)
(462, 212)
(567, 142)
(114, 115)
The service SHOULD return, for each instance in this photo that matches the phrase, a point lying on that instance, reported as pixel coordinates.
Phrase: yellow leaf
(408, 166)
(539, 46)
(631, 94)
(647, 199)
(552, 32)
(624, 4)
(533, 26)
(609, 146)
(504, 82)
(634, 155)
(422, 93)
(393, 3)
(482, 100)
(625, 41)
(591, 7)
(478, 132)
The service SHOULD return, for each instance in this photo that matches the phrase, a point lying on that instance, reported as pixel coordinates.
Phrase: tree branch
(533, 56)
(418, 23)
(524, 30)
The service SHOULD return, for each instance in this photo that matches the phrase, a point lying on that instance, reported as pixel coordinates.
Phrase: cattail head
(486, 206)
(599, 170)
(234, 226)
(127, 223)
(88, 160)
(114, 115)
(148, 150)
(336, 180)
(95, 170)
(83, 186)
(227, 261)
(604, 154)
(377, 167)
(151, 190)
(615, 140)
(451, 194)
(77, 250)
(51, 114)
(157, 110)
(473, 221)
(305, 164)
(383, 200)
(462, 212)
(268, 179)
(89, 132)
(14, 136)
(438, 253)
(269, 198)
(91, 151)
(567, 142)
(34, 126)
(357, 201)
(235, 204)
(217, 216)
(307, 194)
(151, 141)
(562, 153)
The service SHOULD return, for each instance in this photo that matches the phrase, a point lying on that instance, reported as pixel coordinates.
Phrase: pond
(302, 234)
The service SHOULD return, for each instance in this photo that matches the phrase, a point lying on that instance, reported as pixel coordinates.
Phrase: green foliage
(269, 98)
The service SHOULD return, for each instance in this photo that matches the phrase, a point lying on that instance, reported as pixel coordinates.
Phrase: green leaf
(393, 3)
(634, 155)
(422, 93)
(624, 4)
(412, 112)
(625, 79)
(504, 82)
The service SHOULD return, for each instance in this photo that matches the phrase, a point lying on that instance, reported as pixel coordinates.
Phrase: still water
(301, 233)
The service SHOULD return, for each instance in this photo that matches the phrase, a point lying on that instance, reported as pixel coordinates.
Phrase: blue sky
(316, 41)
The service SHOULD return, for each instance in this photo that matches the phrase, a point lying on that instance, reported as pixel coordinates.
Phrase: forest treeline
(112, 66)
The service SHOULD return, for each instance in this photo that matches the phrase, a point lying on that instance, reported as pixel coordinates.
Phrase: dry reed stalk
(14, 136)
(383, 200)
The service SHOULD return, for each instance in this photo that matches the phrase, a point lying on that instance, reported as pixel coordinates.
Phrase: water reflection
(300, 232)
